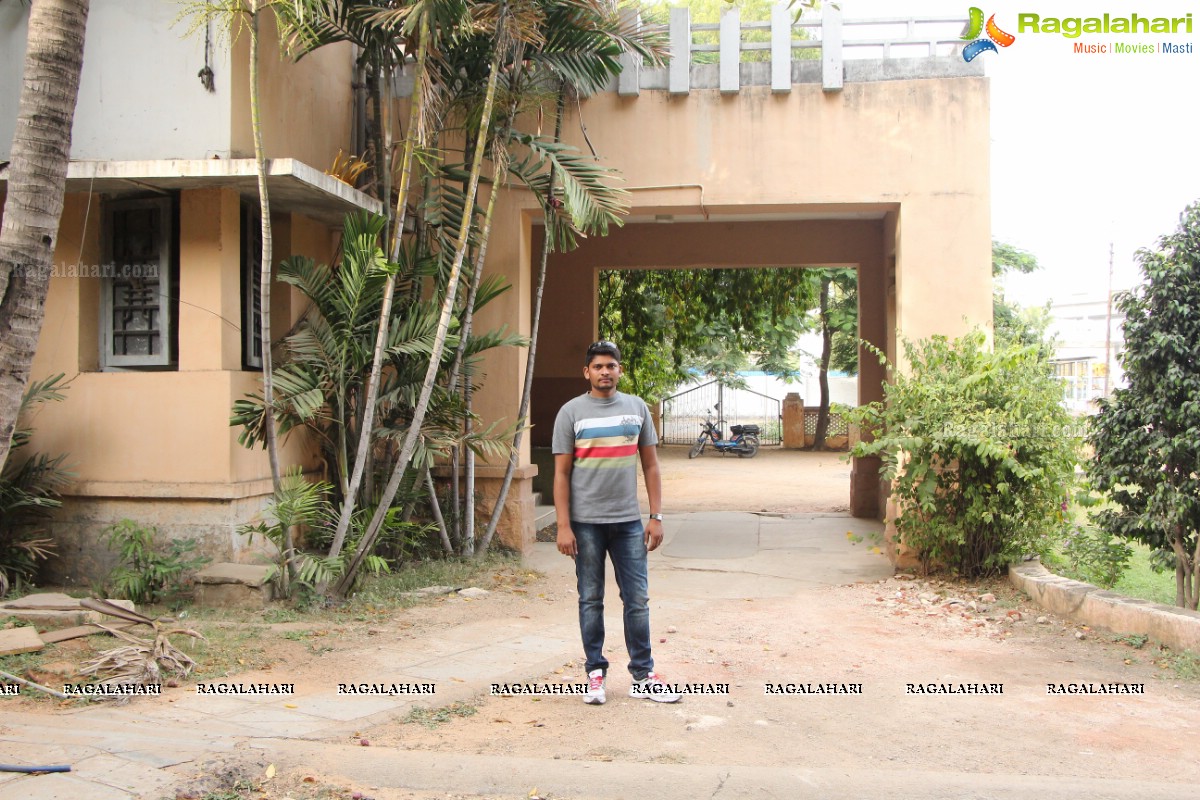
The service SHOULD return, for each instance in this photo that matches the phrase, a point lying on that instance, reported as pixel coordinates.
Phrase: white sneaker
(653, 688)
(595, 694)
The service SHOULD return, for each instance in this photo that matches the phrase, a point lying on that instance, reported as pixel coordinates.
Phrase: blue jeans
(625, 544)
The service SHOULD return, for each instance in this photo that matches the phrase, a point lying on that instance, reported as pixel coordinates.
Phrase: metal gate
(684, 412)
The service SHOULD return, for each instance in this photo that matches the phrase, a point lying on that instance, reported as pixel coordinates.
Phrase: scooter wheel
(749, 448)
(697, 449)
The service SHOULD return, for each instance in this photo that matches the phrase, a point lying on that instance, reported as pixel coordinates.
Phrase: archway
(862, 238)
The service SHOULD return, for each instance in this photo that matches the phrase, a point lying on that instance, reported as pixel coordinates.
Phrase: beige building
(880, 164)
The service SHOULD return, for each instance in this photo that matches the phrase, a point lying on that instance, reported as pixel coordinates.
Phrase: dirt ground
(775, 481)
(850, 635)
(879, 635)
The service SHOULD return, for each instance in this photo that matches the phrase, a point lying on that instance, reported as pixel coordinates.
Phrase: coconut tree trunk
(367, 542)
(37, 180)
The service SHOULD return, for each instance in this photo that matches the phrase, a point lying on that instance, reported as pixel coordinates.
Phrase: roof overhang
(292, 185)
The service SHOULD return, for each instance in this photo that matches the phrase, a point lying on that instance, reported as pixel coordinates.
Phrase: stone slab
(719, 535)
(58, 611)
(20, 640)
(234, 595)
(246, 574)
(136, 778)
(59, 786)
(45, 601)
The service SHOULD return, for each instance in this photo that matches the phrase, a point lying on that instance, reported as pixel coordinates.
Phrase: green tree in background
(1147, 437)
(1010, 321)
(838, 321)
(716, 321)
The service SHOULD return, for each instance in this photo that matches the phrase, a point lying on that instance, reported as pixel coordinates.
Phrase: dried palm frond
(142, 662)
(347, 168)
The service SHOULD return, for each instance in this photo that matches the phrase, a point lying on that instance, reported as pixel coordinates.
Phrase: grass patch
(490, 572)
(433, 717)
(229, 649)
(1141, 581)
(1184, 663)
(281, 614)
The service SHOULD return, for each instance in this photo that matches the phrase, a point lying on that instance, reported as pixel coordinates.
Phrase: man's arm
(562, 503)
(654, 531)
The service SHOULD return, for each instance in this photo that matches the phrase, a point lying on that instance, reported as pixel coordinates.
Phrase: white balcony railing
(830, 39)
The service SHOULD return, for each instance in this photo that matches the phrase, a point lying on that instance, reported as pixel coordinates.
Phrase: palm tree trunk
(37, 179)
(367, 423)
(531, 356)
(436, 508)
(264, 274)
(367, 542)
(468, 512)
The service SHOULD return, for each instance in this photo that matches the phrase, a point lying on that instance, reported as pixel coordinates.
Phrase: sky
(1087, 150)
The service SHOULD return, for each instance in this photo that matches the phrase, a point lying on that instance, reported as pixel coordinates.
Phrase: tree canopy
(1147, 436)
(1012, 323)
(669, 322)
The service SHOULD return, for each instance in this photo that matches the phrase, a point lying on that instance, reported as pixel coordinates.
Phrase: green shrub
(29, 491)
(148, 573)
(980, 451)
(1095, 556)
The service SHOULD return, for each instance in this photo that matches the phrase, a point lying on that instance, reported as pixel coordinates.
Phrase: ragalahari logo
(994, 37)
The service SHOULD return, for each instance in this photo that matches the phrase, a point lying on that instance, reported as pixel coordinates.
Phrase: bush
(980, 451)
(29, 491)
(1094, 556)
(148, 573)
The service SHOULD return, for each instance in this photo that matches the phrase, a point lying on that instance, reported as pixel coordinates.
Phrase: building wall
(907, 157)
(156, 446)
(140, 97)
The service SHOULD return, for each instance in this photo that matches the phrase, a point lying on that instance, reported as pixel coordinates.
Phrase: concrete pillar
(656, 418)
(793, 421)
(864, 487)
(210, 293)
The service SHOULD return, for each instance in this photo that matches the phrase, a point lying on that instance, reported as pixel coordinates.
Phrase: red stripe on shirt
(618, 451)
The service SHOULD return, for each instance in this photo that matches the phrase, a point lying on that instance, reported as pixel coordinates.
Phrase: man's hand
(654, 534)
(566, 541)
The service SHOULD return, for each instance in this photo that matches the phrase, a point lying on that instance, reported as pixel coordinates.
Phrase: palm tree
(488, 47)
(578, 58)
(37, 179)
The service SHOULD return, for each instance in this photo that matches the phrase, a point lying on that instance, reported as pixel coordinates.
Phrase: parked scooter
(744, 442)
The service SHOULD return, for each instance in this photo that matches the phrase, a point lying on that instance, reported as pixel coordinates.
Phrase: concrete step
(543, 516)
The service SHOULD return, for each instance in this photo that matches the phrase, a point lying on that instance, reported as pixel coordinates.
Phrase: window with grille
(137, 311)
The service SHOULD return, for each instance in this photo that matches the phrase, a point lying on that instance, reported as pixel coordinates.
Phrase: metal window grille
(136, 306)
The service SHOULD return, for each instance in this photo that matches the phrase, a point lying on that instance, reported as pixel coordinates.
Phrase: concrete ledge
(1177, 628)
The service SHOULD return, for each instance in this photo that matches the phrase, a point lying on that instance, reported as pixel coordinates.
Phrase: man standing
(598, 439)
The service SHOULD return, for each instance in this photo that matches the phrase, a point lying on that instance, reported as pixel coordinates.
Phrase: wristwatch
(656, 516)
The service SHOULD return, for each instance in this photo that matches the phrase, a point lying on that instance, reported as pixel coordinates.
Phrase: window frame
(249, 268)
(168, 233)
